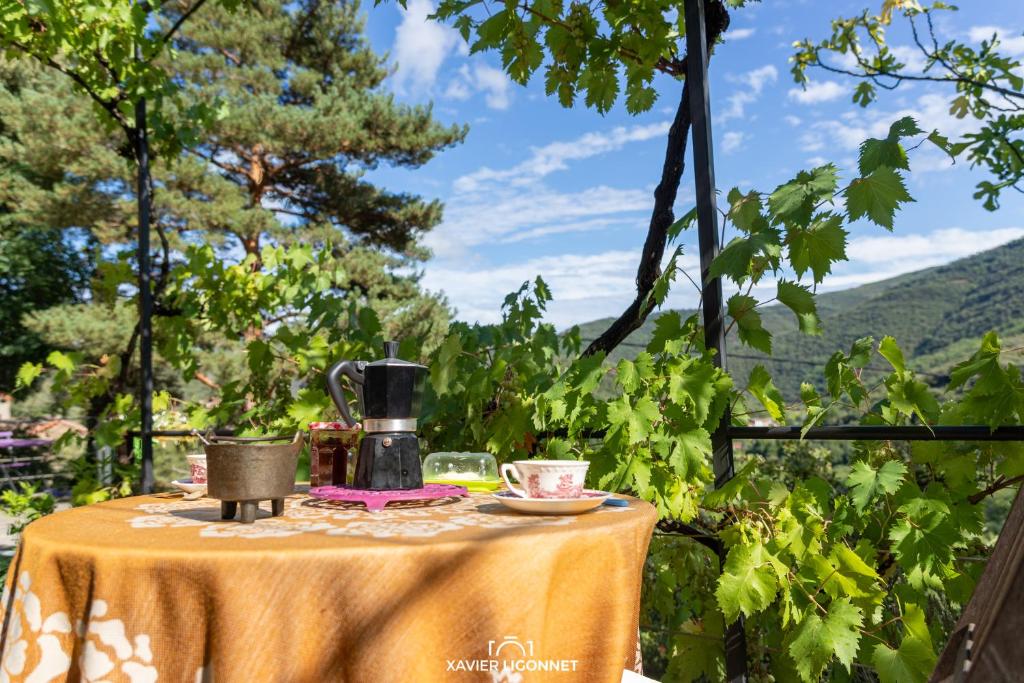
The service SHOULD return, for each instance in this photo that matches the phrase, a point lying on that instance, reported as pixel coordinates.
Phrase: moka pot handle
(353, 370)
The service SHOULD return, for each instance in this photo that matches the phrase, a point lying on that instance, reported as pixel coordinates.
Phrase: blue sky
(537, 189)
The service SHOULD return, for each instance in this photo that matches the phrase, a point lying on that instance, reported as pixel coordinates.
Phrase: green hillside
(937, 315)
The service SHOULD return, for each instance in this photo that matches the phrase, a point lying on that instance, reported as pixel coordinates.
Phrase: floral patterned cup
(197, 468)
(546, 478)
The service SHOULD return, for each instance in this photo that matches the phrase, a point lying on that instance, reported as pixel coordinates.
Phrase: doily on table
(377, 500)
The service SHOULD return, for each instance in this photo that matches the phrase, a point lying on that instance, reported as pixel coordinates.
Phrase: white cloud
(792, 120)
(1010, 42)
(495, 84)
(845, 133)
(751, 84)
(420, 48)
(878, 258)
(479, 77)
(740, 33)
(514, 214)
(458, 89)
(815, 92)
(938, 246)
(910, 55)
(556, 155)
(584, 286)
(732, 141)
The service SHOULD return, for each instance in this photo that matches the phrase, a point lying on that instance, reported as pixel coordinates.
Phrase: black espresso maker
(390, 391)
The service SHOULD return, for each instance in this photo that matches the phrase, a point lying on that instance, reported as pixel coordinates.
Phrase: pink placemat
(376, 500)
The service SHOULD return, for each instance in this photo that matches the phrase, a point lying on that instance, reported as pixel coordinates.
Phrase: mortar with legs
(242, 471)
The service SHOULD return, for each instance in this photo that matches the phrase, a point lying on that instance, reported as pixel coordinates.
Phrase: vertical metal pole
(711, 288)
(145, 299)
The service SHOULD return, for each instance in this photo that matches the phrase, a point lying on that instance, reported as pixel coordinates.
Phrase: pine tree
(308, 119)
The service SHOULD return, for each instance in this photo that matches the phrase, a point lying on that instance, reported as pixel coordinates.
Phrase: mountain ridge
(937, 315)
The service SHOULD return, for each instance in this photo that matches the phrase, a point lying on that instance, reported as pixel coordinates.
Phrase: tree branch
(662, 215)
(110, 106)
(181, 20)
(998, 485)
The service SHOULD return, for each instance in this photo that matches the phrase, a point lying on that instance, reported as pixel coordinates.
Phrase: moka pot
(390, 392)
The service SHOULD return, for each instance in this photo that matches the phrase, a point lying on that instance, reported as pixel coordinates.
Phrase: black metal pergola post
(145, 300)
(711, 288)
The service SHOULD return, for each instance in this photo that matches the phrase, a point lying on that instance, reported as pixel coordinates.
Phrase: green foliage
(109, 51)
(24, 505)
(39, 268)
(986, 85)
(600, 51)
(876, 196)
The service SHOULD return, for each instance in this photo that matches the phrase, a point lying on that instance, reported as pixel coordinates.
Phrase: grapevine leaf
(748, 320)
(637, 418)
(683, 223)
(735, 259)
(875, 153)
(690, 453)
(639, 473)
(865, 482)
(817, 246)
(668, 333)
(904, 128)
(815, 410)
(601, 83)
(926, 534)
(627, 375)
(983, 362)
(800, 300)
(27, 373)
(762, 388)
(912, 397)
(915, 658)
(745, 211)
(888, 152)
(892, 353)
(695, 385)
(877, 196)
(815, 641)
(442, 369)
(558, 449)
(62, 361)
(853, 576)
(860, 352)
(748, 583)
(794, 201)
(308, 406)
(728, 491)
(699, 650)
(997, 395)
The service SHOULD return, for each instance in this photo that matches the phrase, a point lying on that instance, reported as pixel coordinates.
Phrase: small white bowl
(187, 486)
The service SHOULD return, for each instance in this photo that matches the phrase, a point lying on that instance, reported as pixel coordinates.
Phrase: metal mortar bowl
(251, 469)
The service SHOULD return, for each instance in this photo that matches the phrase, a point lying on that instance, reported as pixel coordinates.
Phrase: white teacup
(546, 478)
(197, 468)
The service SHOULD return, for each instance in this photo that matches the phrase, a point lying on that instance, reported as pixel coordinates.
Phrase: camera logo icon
(510, 645)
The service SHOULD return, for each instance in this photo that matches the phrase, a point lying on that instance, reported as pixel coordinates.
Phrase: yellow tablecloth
(160, 589)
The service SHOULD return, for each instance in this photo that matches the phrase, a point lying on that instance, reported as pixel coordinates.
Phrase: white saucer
(187, 486)
(553, 506)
